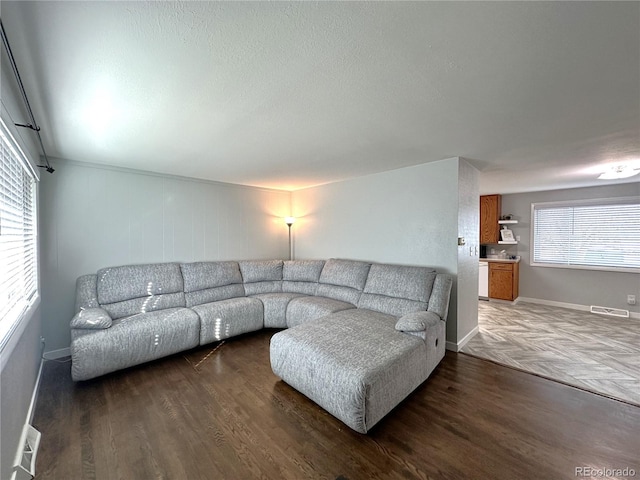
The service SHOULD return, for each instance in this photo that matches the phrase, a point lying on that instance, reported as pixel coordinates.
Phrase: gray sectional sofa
(358, 338)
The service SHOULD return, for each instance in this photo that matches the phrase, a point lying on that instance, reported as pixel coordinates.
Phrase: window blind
(18, 230)
(603, 235)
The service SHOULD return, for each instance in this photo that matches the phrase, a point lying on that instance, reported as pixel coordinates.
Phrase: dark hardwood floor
(226, 416)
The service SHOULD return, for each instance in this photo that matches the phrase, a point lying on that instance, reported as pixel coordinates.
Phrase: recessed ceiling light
(619, 171)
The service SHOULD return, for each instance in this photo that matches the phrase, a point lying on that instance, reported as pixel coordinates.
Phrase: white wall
(468, 254)
(579, 287)
(407, 216)
(17, 383)
(21, 356)
(14, 111)
(94, 217)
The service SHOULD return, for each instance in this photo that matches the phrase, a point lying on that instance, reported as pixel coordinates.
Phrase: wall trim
(506, 302)
(34, 395)
(456, 347)
(55, 354)
(135, 171)
(572, 306)
(29, 420)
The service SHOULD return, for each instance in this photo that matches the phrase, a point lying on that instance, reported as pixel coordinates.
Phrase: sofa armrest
(417, 321)
(91, 318)
(86, 292)
(440, 295)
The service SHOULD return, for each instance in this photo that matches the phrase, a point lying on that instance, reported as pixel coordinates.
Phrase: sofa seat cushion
(275, 308)
(133, 340)
(228, 318)
(306, 309)
(354, 364)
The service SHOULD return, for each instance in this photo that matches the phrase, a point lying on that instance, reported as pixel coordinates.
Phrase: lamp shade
(289, 220)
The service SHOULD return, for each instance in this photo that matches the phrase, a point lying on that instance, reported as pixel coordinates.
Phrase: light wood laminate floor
(592, 352)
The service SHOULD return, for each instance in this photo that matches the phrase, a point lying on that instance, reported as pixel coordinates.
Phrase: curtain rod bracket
(49, 168)
(28, 125)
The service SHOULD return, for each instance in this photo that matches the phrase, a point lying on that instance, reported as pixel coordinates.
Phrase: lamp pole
(289, 221)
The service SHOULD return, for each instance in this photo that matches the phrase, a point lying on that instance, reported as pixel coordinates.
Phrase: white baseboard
(34, 395)
(29, 419)
(456, 347)
(506, 302)
(572, 306)
(55, 354)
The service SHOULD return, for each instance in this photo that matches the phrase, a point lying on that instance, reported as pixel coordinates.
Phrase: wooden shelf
(501, 242)
(507, 222)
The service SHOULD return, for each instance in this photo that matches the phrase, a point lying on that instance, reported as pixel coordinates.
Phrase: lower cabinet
(503, 280)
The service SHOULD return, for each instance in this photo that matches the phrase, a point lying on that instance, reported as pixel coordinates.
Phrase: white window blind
(18, 242)
(599, 234)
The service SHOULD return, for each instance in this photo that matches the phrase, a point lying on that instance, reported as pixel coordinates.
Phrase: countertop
(500, 260)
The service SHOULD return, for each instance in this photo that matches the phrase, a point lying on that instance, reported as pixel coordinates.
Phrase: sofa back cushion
(131, 289)
(206, 282)
(343, 280)
(396, 289)
(261, 276)
(301, 276)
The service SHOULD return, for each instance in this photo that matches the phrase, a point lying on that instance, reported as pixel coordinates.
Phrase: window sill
(587, 267)
(12, 336)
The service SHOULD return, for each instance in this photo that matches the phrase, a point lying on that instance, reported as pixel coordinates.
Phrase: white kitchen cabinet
(483, 280)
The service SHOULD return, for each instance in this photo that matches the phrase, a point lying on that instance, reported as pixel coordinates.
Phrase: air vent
(26, 469)
(614, 312)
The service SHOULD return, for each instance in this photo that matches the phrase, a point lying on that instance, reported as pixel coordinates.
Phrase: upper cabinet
(490, 206)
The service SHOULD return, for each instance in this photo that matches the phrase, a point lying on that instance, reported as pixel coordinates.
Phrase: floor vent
(615, 312)
(26, 469)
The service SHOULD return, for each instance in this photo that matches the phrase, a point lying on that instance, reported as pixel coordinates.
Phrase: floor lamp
(289, 221)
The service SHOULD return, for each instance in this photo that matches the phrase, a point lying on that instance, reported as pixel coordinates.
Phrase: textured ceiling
(537, 95)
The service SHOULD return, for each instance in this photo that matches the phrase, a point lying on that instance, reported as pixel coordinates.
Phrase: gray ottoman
(353, 363)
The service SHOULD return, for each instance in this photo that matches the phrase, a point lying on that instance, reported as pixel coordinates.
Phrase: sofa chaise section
(353, 364)
(359, 363)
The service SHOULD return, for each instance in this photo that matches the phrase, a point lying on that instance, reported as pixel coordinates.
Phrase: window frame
(632, 200)
(11, 331)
